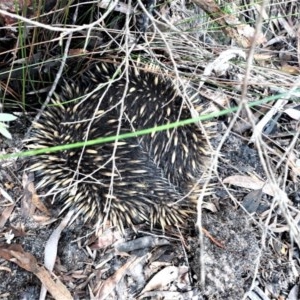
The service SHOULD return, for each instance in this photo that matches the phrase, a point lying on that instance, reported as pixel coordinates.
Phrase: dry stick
(284, 156)
(64, 31)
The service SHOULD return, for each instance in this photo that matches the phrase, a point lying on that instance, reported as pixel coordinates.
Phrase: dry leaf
(209, 206)
(5, 215)
(6, 195)
(107, 286)
(51, 248)
(250, 183)
(252, 200)
(292, 70)
(6, 269)
(293, 113)
(77, 51)
(244, 181)
(51, 245)
(249, 32)
(162, 279)
(263, 57)
(31, 199)
(27, 261)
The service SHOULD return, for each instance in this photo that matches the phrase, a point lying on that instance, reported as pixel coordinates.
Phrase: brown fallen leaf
(30, 199)
(5, 215)
(27, 261)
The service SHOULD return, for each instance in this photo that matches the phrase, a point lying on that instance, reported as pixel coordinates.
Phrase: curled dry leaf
(5, 269)
(209, 206)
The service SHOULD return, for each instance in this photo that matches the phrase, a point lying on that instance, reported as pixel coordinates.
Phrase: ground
(230, 256)
(246, 241)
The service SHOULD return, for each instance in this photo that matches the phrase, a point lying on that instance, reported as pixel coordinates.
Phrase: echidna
(132, 181)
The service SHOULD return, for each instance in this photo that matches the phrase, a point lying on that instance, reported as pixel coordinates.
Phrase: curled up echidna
(145, 179)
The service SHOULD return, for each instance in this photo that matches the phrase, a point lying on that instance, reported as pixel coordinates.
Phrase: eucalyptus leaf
(4, 131)
(7, 117)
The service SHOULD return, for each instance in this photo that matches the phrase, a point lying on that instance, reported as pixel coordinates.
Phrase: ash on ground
(227, 272)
